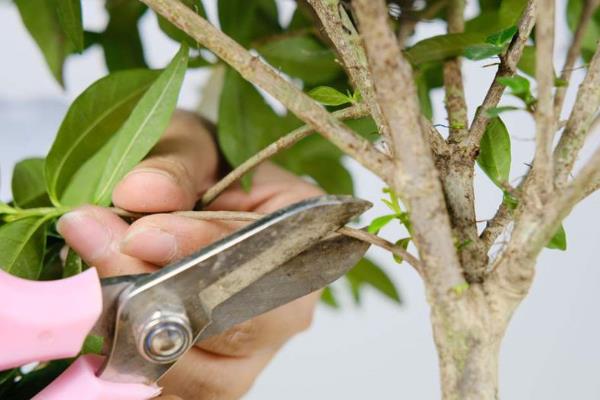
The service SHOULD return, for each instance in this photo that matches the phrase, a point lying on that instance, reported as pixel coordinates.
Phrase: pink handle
(79, 381)
(42, 321)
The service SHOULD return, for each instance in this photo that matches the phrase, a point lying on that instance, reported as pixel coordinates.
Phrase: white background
(380, 350)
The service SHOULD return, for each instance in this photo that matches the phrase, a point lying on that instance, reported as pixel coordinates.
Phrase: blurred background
(379, 350)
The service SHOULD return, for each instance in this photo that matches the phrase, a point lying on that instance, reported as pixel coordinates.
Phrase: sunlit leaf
(378, 223)
(144, 127)
(404, 242)
(503, 37)
(93, 118)
(329, 96)
(328, 298)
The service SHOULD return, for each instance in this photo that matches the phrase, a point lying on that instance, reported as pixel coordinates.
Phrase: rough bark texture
(472, 299)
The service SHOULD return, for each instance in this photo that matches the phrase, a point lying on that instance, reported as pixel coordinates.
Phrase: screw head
(166, 341)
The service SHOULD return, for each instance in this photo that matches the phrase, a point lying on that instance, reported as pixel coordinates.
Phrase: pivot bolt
(165, 339)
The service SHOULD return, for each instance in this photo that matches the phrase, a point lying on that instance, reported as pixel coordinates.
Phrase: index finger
(181, 166)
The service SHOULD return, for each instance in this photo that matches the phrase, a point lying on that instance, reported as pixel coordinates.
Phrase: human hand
(173, 177)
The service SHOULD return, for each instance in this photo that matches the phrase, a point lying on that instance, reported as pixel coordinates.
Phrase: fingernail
(85, 233)
(151, 173)
(151, 244)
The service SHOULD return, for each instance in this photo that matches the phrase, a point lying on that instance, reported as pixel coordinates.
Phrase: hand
(173, 177)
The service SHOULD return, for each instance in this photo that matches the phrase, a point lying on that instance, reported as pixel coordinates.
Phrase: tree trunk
(468, 335)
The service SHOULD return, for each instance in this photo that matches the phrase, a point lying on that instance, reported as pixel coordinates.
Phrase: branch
(283, 143)
(456, 105)
(543, 170)
(508, 67)
(495, 226)
(250, 217)
(578, 125)
(256, 71)
(533, 230)
(573, 53)
(416, 177)
(343, 35)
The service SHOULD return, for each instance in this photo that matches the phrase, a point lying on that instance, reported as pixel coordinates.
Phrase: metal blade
(184, 295)
(311, 270)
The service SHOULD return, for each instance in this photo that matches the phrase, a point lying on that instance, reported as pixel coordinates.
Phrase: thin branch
(573, 54)
(456, 106)
(416, 177)
(543, 169)
(507, 67)
(495, 226)
(578, 125)
(343, 35)
(256, 71)
(533, 230)
(281, 144)
(250, 217)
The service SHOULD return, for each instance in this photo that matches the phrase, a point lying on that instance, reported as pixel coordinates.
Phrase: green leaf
(303, 57)
(92, 345)
(503, 37)
(559, 240)
(144, 127)
(439, 48)
(404, 242)
(519, 87)
(378, 223)
(482, 51)
(495, 153)
(518, 84)
(591, 34)
(246, 122)
(22, 246)
(93, 118)
(52, 265)
(495, 20)
(177, 34)
(496, 111)
(245, 20)
(329, 96)
(329, 174)
(29, 185)
(527, 61)
(73, 264)
(41, 20)
(367, 273)
(69, 16)
(328, 298)
(121, 40)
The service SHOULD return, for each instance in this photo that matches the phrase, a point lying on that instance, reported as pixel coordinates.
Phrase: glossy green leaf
(73, 264)
(439, 48)
(367, 273)
(22, 246)
(559, 240)
(378, 223)
(69, 17)
(245, 20)
(503, 37)
(41, 20)
(495, 152)
(303, 57)
(121, 40)
(496, 111)
(177, 34)
(93, 118)
(482, 51)
(29, 185)
(328, 298)
(144, 127)
(519, 87)
(404, 244)
(329, 96)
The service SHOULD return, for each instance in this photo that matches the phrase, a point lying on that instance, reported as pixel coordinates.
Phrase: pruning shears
(149, 321)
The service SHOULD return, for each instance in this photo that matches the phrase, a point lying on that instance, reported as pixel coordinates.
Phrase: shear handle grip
(42, 321)
(79, 381)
